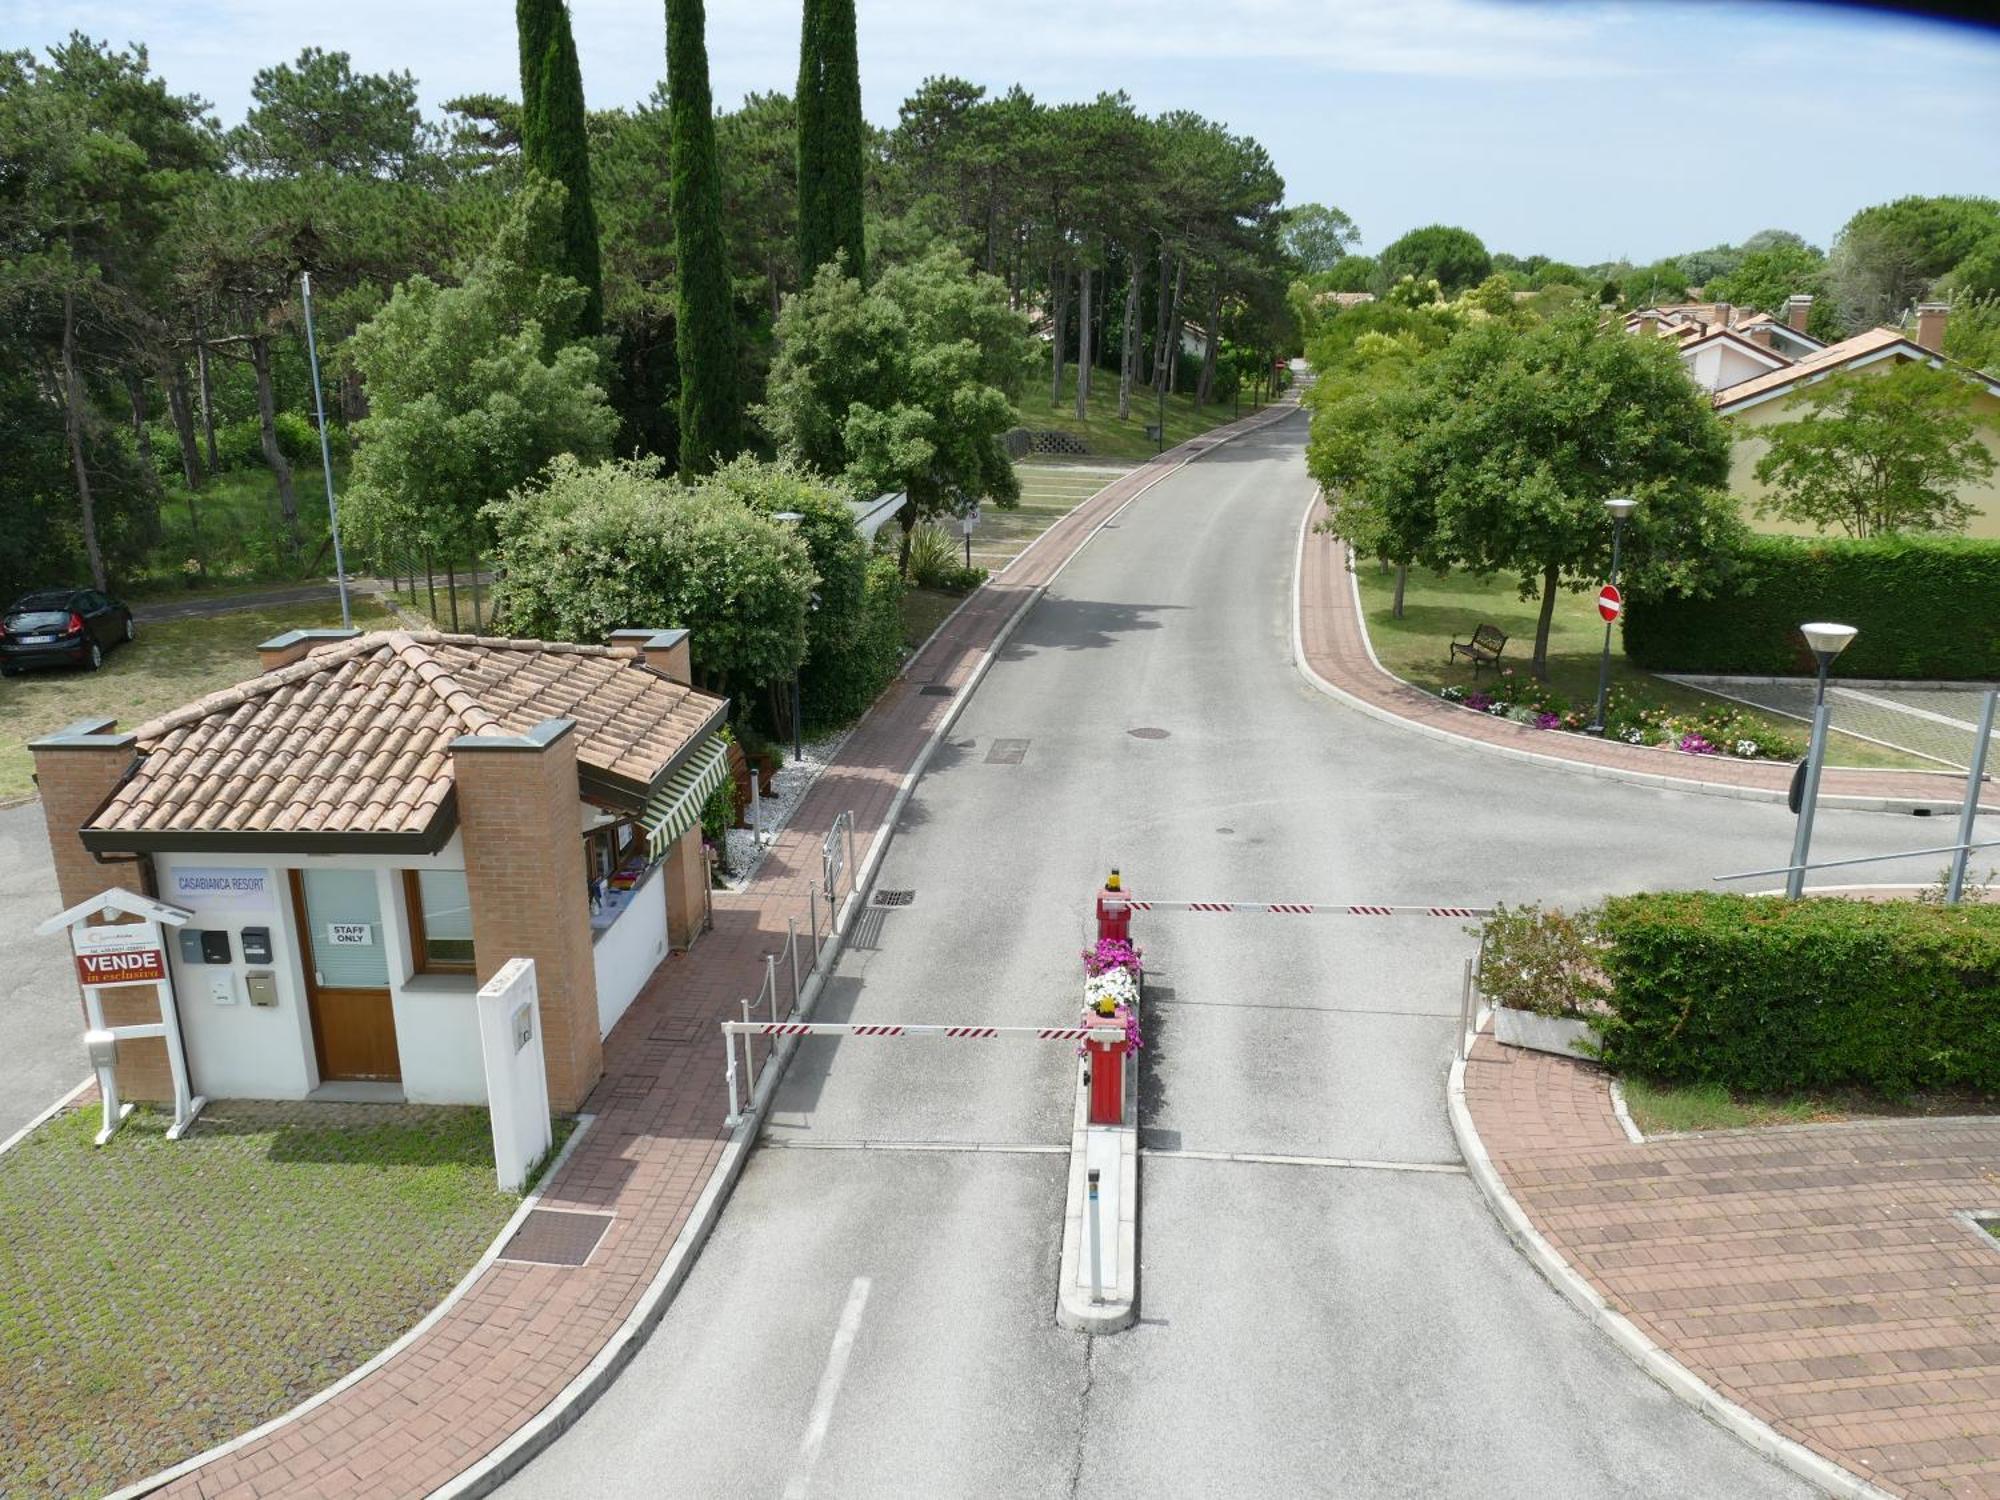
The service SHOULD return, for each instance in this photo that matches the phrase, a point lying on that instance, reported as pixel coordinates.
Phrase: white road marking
(1266, 1159)
(814, 1437)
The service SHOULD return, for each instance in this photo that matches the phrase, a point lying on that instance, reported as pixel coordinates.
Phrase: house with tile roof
(373, 826)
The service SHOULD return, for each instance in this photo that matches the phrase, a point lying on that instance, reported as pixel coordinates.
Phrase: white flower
(1747, 749)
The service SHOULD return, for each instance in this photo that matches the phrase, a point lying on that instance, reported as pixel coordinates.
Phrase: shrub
(1549, 962)
(1907, 595)
(1766, 996)
(933, 557)
(837, 685)
(240, 445)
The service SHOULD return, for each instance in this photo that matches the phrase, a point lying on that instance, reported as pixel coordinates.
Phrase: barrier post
(792, 947)
(735, 1115)
(1107, 1081)
(1096, 1246)
(771, 982)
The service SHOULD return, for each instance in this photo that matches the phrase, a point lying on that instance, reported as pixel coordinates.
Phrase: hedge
(1763, 995)
(837, 684)
(1922, 605)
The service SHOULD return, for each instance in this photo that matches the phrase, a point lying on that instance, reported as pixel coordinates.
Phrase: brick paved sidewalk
(1813, 1274)
(522, 1333)
(1336, 647)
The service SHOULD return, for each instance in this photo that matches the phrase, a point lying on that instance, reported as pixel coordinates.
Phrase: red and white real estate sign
(129, 953)
(1610, 603)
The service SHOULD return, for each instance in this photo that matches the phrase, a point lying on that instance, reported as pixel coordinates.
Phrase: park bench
(1484, 648)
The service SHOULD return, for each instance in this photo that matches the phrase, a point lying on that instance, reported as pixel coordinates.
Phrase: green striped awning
(676, 807)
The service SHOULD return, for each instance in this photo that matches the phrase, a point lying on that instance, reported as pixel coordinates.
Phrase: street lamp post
(325, 452)
(792, 518)
(1621, 508)
(1827, 642)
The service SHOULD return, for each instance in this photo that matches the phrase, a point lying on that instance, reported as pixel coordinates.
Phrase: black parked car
(62, 628)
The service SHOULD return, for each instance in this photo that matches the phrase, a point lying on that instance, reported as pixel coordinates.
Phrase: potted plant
(1541, 971)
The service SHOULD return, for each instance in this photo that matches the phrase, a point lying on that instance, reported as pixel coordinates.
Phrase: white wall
(627, 952)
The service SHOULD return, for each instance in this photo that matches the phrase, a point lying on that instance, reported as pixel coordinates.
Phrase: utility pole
(325, 452)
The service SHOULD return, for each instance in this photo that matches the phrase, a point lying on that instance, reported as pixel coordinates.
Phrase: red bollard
(1114, 912)
(1107, 1079)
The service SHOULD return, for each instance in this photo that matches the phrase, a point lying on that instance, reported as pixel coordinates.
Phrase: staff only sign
(131, 953)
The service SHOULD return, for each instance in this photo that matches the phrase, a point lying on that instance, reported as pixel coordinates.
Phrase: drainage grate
(1007, 752)
(894, 898)
(556, 1237)
(936, 690)
(1147, 734)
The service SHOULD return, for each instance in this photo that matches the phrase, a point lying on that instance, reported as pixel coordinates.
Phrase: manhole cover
(1147, 734)
(894, 898)
(556, 1237)
(1007, 752)
(935, 690)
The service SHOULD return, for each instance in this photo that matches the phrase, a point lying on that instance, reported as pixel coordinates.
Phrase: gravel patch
(788, 789)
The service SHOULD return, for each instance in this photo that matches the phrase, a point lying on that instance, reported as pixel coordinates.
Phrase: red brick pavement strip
(1815, 1275)
(518, 1338)
(1333, 643)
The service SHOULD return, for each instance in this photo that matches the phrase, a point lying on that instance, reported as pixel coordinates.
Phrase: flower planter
(1565, 1036)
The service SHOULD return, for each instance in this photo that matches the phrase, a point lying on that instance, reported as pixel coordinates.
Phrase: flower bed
(1113, 973)
(1722, 730)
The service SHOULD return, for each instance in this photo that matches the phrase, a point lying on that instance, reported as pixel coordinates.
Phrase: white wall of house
(1720, 364)
(627, 951)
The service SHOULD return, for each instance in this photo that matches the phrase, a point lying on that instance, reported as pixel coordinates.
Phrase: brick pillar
(667, 652)
(76, 769)
(524, 870)
(686, 875)
(295, 645)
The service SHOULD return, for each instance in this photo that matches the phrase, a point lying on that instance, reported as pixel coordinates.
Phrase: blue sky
(1583, 131)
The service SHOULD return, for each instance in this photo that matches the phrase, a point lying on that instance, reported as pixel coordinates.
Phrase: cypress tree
(832, 139)
(555, 142)
(705, 332)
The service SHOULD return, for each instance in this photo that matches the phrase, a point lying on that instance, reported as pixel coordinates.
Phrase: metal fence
(455, 591)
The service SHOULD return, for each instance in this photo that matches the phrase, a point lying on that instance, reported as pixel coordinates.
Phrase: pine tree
(831, 139)
(706, 331)
(555, 142)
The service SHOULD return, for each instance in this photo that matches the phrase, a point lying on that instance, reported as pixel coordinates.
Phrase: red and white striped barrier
(948, 1033)
(1312, 908)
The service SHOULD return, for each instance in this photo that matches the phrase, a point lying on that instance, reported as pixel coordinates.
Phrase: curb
(1625, 1336)
(45, 1116)
(527, 1441)
(1652, 779)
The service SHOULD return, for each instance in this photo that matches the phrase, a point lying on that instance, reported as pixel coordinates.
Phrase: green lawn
(923, 611)
(1437, 611)
(158, 1297)
(170, 663)
(1665, 1108)
(1102, 432)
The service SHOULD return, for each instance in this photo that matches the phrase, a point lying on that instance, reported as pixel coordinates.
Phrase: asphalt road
(41, 1019)
(873, 1319)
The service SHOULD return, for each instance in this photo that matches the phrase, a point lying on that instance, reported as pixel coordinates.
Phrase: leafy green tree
(1647, 286)
(555, 142)
(319, 114)
(832, 140)
(1352, 273)
(1700, 267)
(1558, 273)
(1497, 452)
(1972, 334)
(1978, 274)
(586, 549)
(1455, 258)
(705, 322)
(1766, 279)
(1889, 256)
(1878, 453)
(905, 386)
(1318, 237)
(96, 151)
(472, 389)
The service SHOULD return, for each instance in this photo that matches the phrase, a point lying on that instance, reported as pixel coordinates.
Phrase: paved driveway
(874, 1314)
(41, 1021)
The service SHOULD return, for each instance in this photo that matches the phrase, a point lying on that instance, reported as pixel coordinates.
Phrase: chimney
(1648, 324)
(1722, 312)
(1798, 309)
(295, 645)
(664, 651)
(1930, 325)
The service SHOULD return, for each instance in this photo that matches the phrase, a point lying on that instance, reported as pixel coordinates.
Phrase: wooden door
(341, 941)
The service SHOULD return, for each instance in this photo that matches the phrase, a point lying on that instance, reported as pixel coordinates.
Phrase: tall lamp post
(1827, 642)
(1621, 508)
(325, 452)
(792, 518)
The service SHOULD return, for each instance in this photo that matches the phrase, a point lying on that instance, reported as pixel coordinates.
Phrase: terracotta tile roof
(356, 738)
(1818, 362)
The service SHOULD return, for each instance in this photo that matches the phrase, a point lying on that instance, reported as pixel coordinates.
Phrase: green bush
(934, 556)
(838, 684)
(240, 445)
(1549, 962)
(1765, 995)
(1912, 599)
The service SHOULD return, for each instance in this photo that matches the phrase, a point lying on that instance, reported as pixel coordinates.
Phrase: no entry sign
(1610, 603)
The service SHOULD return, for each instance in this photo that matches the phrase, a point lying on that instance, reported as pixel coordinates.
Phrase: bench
(1483, 649)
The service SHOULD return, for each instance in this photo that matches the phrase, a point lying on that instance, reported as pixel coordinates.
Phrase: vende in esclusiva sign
(128, 953)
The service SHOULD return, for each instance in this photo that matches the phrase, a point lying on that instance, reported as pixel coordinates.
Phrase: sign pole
(1969, 814)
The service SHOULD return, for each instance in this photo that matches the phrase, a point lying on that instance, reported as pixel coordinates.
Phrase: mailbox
(215, 946)
(102, 1047)
(191, 946)
(256, 945)
(262, 984)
